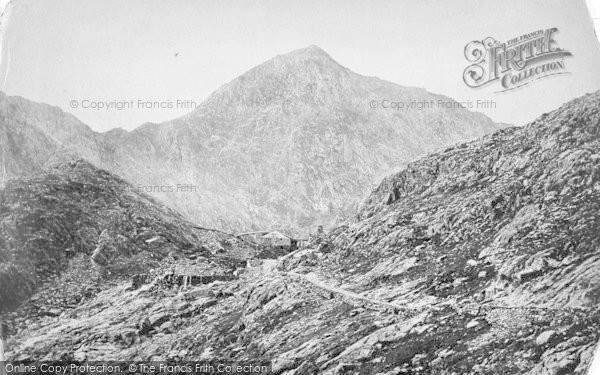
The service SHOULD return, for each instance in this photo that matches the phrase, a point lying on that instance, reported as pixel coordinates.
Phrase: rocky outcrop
(75, 220)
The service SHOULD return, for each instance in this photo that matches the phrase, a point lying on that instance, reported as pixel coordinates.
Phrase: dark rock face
(291, 143)
(482, 259)
(75, 215)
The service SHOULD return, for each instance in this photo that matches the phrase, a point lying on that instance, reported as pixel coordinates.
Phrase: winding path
(314, 280)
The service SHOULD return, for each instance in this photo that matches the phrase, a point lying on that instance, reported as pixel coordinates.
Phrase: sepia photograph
(384, 187)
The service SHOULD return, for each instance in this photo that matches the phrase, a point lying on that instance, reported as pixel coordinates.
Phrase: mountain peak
(288, 75)
(310, 53)
(312, 50)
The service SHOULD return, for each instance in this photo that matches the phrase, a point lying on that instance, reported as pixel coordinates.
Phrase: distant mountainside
(480, 259)
(53, 222)
(292, 143)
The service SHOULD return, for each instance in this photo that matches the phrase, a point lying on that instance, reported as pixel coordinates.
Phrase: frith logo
(515, 63)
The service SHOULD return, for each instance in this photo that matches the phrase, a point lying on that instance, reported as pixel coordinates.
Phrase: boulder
(158, 319)
(544, 337)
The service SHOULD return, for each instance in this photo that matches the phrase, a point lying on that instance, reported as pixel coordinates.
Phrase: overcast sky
(57, 51)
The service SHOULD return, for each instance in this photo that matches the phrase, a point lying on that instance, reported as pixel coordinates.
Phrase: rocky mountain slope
(292, 143)
(481, 259)
(75, 228)
(32, 134)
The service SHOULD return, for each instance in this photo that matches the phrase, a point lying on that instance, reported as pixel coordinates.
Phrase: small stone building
(254, 237)
(273, 239)
(278, 239)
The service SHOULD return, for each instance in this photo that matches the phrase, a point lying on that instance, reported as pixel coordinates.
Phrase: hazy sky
(57, 51)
